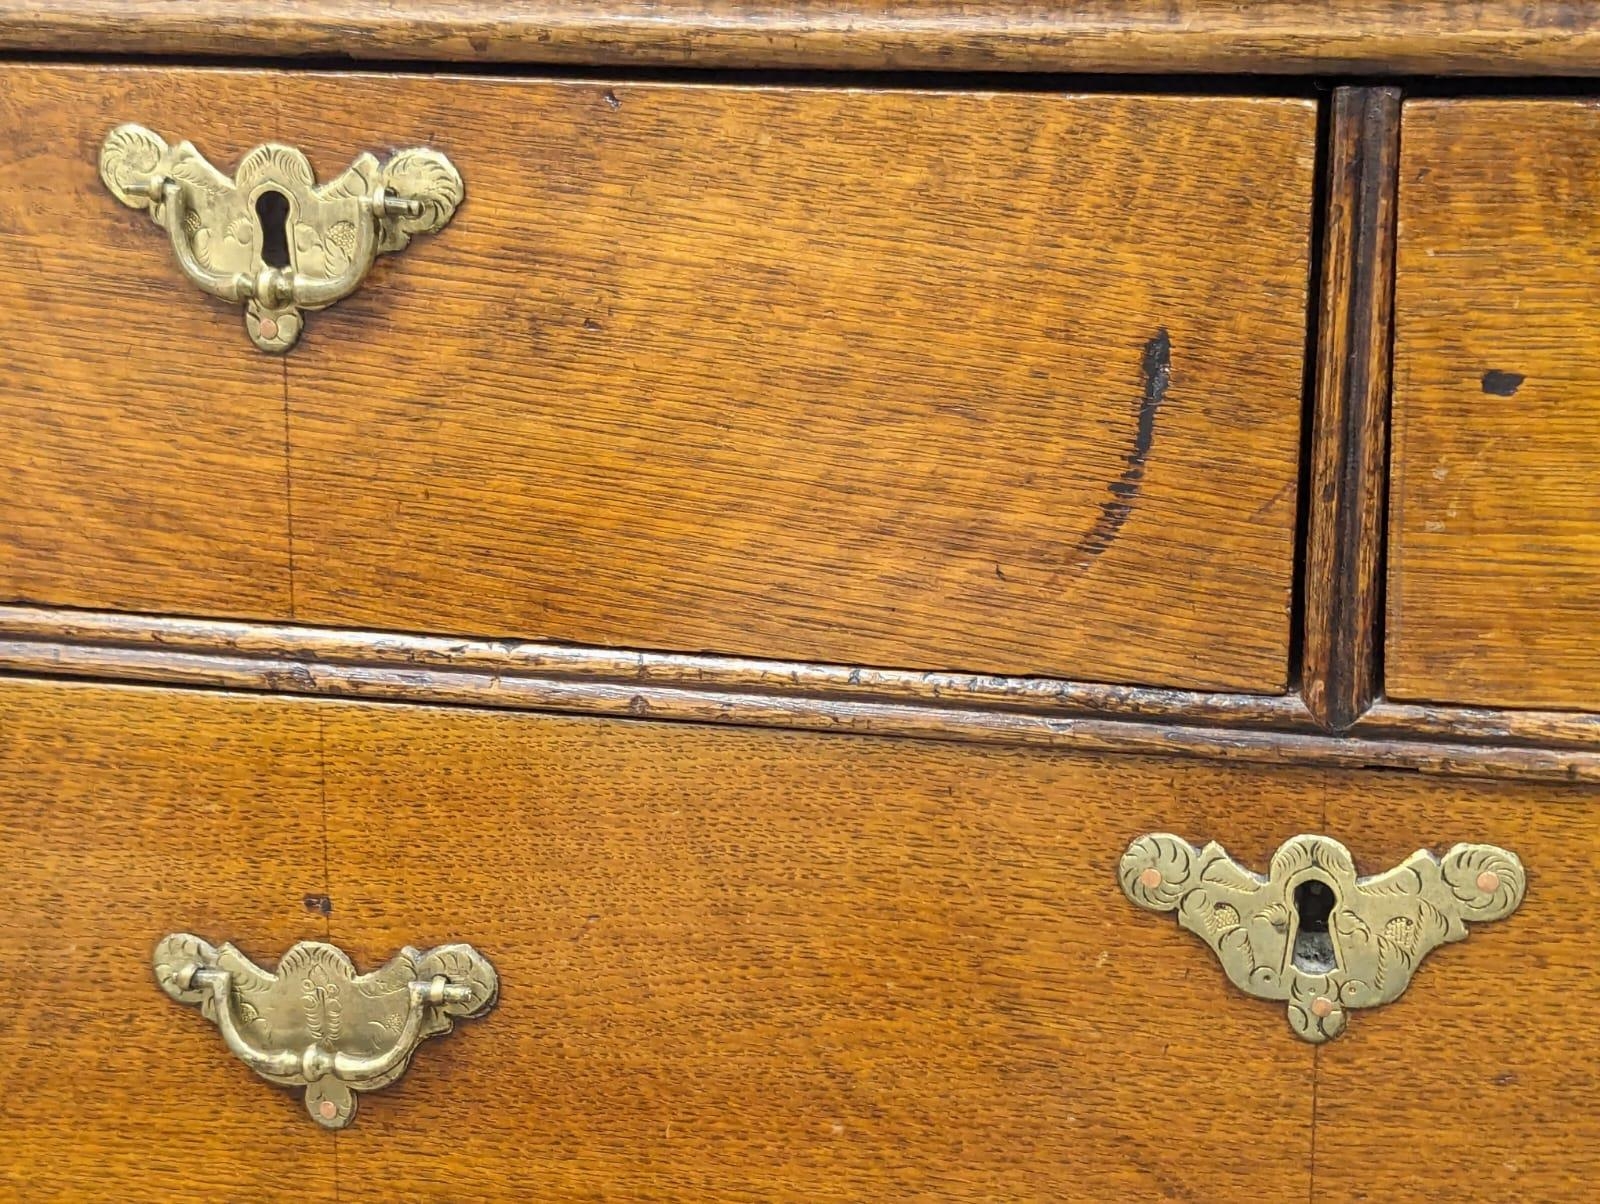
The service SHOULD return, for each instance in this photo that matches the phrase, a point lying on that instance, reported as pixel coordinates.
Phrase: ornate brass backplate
(270, 238)
(315, 1023)
(1364, 941)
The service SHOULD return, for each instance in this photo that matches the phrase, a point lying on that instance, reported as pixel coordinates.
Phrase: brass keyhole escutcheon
(271, 238)
(1310, 933)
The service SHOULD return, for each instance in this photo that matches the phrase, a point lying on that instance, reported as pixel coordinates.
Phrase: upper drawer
(990, 381)
(1494, 541)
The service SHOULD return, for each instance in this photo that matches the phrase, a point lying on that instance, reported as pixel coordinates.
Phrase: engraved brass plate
(1311, 933)
(315, 1023)
(270, 238)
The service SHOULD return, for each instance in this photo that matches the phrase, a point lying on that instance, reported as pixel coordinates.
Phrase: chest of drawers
(746, 559)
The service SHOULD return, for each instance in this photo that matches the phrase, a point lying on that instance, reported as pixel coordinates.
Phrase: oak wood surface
(936, 380)
(734, 965)
(1494, 534)
(142, 463)
(1343, 579)
(293, 650)
(124, 815)
(306, 659)
(1471, 1086)
(943, 381)
(750, 966)
(780, 966)
(1488, 37)
(1551, 729)
(399, 668)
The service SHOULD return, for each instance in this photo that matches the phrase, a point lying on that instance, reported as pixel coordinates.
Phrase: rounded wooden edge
(1431, 37)
(396, 668)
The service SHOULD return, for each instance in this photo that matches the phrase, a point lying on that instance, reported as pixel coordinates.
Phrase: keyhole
(1313, 905)
(272, 211)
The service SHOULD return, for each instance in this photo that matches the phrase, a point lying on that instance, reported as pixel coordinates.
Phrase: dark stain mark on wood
(321, 904)
(1502, 384)
(1155, 368)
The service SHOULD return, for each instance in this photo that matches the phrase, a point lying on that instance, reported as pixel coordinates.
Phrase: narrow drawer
(1494, 539)
(749, 965)
(1006, 382)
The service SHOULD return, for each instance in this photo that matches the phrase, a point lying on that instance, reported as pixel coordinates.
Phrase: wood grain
(125, 815)
(1343, 578)
(776, 966)
(1550, 729)
(749, 966)
(1490, 37)
(1466, 1087)
(397, 668)
(1494, 531)
(292, 651)
(940, 381)
(928, 380)
(143, 455)
(308, 659)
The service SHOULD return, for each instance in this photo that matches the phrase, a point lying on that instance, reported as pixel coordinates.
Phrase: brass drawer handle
(270, 238)
(1313, 934)
(315, 1023)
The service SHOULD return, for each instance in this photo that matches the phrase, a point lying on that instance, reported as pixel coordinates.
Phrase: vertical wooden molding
(1343, 583)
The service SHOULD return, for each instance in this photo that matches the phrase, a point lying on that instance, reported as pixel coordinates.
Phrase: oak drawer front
(751, 965)
(1008, 381)
(1494, 541)
(123, 812)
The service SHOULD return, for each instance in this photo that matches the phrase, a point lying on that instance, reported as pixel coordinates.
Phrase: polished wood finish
(296, 651)
(708, 937)
(396, 668)
(142, 463)
(1434, 37)
(125, 814)
(1494, 535)
(1466, 1088)
(894, 482)
(1343, 578)
(778, 966)
(928, 380)
(1557, 729)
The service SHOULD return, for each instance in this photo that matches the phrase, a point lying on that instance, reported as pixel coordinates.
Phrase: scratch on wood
(1155, 367)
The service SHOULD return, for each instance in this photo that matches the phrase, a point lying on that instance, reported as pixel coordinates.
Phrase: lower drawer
(748, 965)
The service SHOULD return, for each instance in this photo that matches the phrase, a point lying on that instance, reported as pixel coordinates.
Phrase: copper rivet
(1321, 1006)
(1150, 879)
(328, 1108)
(1488, 881)
(268, 328)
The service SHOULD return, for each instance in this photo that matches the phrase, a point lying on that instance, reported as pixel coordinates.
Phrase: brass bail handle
(270, 238)
(1310, 933)
(315, 1023)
